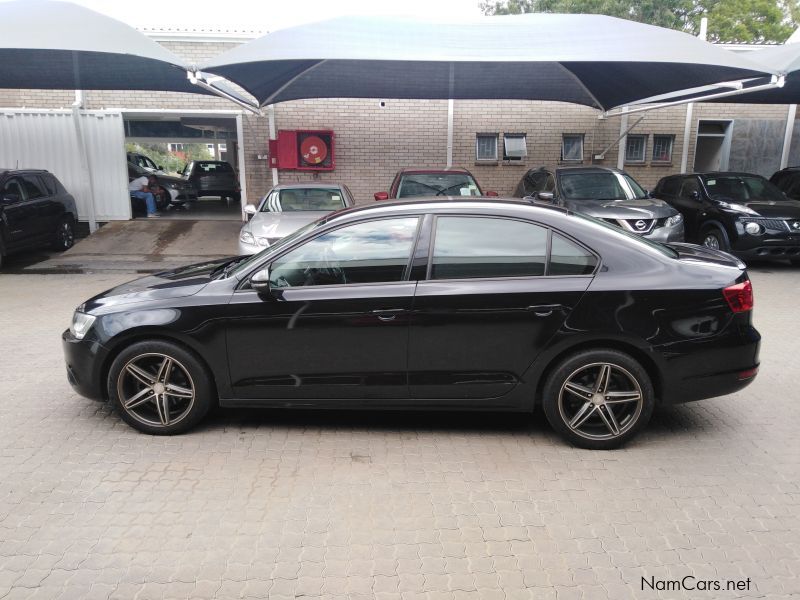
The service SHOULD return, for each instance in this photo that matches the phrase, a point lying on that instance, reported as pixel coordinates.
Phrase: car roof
(425, 203)
(296, 186)
(420, 170)
(724, 174)
(6, 171)
(588, 169)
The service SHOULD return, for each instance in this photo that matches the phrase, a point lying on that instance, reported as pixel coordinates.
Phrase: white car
(287, 208)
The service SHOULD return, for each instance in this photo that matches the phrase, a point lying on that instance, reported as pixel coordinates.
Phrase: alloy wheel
(600, 401)
(711, 241)
(156, 389)
(66, 235)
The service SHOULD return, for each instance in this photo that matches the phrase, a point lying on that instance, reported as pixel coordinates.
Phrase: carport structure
(591, 60)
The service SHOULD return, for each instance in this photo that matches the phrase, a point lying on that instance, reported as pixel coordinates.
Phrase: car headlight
(262, 241)
(81, 323)
(247, 238)
(674, 220)
(753, 228)
(172, 185)
(738, 208)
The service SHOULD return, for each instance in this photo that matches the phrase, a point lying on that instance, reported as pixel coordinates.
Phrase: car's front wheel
(159, 387)
(715, 238)
(598, 399)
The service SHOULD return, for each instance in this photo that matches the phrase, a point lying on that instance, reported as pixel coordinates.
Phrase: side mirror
(160, 168)
(381, 195)
(260, 281)
(249, 210)
(492, 194)
(10, 198)
(544, 197)
(695, 195)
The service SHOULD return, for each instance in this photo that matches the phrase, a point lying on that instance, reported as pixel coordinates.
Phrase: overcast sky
(266, 15)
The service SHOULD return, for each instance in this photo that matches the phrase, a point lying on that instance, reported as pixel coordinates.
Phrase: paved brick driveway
(352, 505)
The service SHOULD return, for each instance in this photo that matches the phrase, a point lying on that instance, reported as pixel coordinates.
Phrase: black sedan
(447, 304)
(741, 213)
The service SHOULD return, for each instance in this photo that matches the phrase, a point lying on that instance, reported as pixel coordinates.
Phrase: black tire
(139, 368)
(593, 428)
(714, 237)
(64, 235)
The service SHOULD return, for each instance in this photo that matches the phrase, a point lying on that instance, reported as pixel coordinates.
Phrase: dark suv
(788, 181)
(740, 213)
(604, 193)
(35, 210)
(213, 178)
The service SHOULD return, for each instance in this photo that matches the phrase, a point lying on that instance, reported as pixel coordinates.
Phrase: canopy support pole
(776, 82)
(687, 131)
(272, 136)
(83, 153)
(623, 132)
(787, 135)
(623, 137)
(450, 109)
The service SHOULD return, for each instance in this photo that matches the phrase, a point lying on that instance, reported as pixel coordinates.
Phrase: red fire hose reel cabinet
(303, 150)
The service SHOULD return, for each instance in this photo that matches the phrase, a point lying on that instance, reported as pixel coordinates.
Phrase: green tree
(171, 162)
(744, 21)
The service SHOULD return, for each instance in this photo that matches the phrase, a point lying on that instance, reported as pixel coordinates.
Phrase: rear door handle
(387, 314)
(544, 310)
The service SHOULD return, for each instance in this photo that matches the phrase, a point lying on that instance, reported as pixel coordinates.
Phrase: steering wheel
(329, 272)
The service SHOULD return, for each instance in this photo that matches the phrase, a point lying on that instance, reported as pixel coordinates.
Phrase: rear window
(437, 184)
(304, 199)
(213, 167)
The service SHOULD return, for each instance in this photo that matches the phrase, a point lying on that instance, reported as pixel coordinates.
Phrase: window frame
(658, 161)
(244, 282)
(636, 161)
(550, 230)
(495, 136)
(582, 137)
(515, 135)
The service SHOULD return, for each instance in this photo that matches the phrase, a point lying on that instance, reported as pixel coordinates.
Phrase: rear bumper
(84, 360)
(723, 369)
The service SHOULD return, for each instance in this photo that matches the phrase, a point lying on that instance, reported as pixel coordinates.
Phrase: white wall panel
(46, 139)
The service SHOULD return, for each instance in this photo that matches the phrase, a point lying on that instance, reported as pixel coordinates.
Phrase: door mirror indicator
(260, 281)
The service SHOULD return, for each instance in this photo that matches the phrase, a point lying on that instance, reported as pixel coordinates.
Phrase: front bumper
(767, 247)
(84, 361)
(666, 234)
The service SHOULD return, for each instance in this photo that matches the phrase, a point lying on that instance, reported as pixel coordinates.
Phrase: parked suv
(788, 181)
(450, 181)
(604, 193)
(740, 213)
(213, 178)
(35, 210)
(179, 189)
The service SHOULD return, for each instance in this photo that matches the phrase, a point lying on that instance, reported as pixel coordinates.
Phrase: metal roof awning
(592, 60)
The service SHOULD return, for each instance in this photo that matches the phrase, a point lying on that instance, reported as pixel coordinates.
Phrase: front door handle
(387, 314)
(544, 310)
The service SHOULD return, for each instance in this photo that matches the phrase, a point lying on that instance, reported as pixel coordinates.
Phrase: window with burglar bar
(635, 148)
(486, 146)
(662, 148)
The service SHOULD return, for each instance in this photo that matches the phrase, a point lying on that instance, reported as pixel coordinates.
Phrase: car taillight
(739, 296)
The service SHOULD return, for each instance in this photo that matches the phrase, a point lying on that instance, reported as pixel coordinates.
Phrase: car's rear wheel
(598, 399)
(64, 237)
(715, 238)
(159, 387)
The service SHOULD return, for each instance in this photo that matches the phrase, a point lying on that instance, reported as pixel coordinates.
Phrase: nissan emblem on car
(640, 225)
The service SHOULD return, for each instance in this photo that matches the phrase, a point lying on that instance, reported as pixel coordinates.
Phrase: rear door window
(482, 247)
(568, 258)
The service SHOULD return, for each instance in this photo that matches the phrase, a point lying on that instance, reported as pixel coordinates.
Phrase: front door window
(369, 252)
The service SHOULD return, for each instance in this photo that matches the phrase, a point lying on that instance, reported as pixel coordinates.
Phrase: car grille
(771, 224)
(640, 226)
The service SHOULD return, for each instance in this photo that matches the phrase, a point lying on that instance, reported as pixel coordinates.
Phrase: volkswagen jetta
(446, 304)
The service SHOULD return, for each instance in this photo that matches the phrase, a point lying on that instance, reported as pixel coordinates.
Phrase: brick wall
(373, 141)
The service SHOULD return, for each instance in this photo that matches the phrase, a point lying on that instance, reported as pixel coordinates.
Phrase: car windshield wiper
(222, 271)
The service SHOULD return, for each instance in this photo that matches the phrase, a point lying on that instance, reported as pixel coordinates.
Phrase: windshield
(213, 168)
(304, 199)
(744, 188)
(662, 248)
(245, 265)
(600, 185)
(437, 184)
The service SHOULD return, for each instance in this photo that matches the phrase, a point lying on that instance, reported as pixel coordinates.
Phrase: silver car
(287, 208)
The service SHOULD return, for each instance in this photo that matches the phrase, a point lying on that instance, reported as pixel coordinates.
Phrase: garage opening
(195, 159)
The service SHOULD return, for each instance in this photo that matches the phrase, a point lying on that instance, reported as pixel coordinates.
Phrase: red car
(450, 181)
